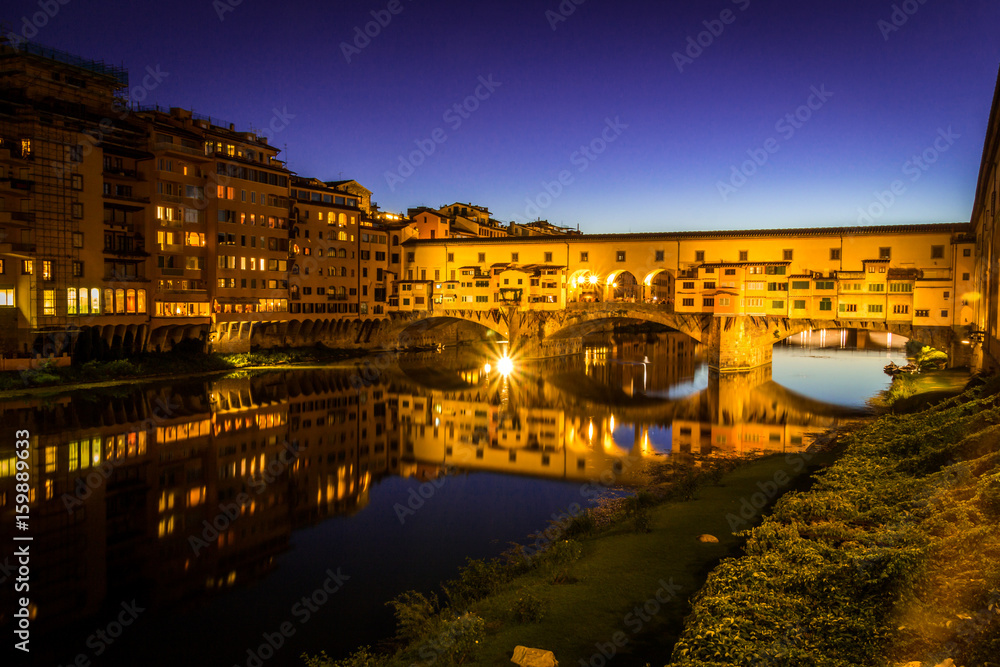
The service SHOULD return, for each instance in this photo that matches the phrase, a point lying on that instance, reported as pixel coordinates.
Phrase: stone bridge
(733, 343)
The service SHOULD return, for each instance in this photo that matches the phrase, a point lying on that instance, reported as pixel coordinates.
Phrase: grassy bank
(612, 581)
(893, 556)
(154, 365)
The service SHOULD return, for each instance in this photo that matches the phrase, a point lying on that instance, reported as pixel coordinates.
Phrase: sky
(628, 116)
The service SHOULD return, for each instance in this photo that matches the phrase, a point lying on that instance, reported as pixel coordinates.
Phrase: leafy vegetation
(890, 557)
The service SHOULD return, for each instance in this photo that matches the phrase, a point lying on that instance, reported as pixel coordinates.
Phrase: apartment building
(985, 218)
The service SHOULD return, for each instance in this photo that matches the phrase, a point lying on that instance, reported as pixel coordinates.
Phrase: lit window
(71, 300)
(49, 302)
(95, 300)
(7, 297)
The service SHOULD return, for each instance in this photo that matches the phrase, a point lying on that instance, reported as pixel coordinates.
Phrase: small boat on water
(893, 369)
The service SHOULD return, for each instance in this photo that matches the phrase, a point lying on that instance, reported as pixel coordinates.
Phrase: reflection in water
(175, 493)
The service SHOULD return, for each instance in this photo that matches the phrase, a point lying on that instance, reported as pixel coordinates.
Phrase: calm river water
(367, 488)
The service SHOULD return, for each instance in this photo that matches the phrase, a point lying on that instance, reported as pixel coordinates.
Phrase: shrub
(930, 359)
(363, 657)
(413, 613)
(527, 609)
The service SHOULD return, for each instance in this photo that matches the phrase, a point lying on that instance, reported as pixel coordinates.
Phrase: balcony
(22, 184)
(336, 297)
(22, 216)
(172, 271)
(127, 252)
(181, 150)
(129, 174)
(127, 198)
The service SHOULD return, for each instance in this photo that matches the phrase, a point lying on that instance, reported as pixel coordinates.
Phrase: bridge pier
(739, 344)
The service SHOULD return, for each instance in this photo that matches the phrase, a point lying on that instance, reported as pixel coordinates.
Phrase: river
(357, 485)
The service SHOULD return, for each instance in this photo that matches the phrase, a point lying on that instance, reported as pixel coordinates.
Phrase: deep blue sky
(608, 60)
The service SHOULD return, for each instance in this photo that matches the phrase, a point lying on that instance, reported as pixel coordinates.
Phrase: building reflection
(132, 495)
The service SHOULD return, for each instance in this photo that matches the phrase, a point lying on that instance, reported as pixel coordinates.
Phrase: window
(775, 270)
(848, 307)
(944, 313)
(46, 270)
(515, 257)
(947, 295)
(708, 303)
(621, 255)
(825, 285)
(825, 304)
(900, 310)
(777, 305)
(876, 287)
(730, 272)
(77, 239)
(874, 308)
(76, 182)
(7, 297)
(799, 304)
(967, 252)
(922, 313)
(482, 257)
(834, 254)
(659, 256)
(77, 210)
(787, 255)
(77, 269)
(48, 302)
(900, 287)
(755, 270)
(724, 301)
(777, 287)
(451, 255)
(800, 284)
(885, 253)
(688, 285)
(937, 252)
(548, 258)
(744, 254)
(687, 303)
(699, 255)
(584, 256)
(965, 276)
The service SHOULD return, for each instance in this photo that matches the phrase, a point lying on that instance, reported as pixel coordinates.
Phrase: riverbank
(612, 581)
(892, 558)
(166, 365)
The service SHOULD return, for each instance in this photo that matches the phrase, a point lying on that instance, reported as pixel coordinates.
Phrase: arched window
(71, 300)
(95, 300)
(130, 301)
(141, 301)
(119, 301)
(342, 236)
(342, 254)
(395, 240)
(343, 219)
(319, 252)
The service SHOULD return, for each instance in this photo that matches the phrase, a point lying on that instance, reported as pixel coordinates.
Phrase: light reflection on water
(511, 448)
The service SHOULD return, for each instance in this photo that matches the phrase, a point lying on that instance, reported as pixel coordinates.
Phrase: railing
(178, 148)
(22, 216)
(124, 173)
(336, 297)
(171, 271)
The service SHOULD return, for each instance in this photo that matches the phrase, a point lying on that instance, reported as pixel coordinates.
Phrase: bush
(930, 359)
(363, 657)
(413, 613)
(527, 609)
(477, 579)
